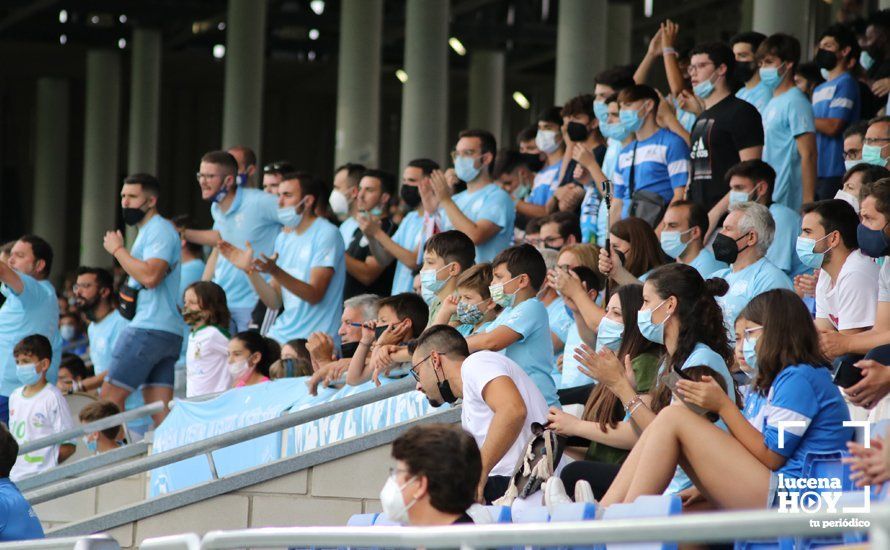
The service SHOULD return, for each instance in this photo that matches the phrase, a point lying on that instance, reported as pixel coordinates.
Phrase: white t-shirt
(206, 362)
(31, 418)
(852, 301)
(476, 372)
(884, 281)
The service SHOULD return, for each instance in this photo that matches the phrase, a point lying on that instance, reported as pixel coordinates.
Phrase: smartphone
(670, 379)
(847, 374)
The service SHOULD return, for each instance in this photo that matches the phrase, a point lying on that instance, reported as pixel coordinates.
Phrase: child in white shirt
(37, 409)
(205, 311)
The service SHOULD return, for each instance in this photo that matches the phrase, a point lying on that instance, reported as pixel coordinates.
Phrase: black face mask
(411, 195)
(444, 390)
(726, 249)
(825, 59)
(288, 365)
(577, 132)
(743, 71)
(132, 216)
(378, 331)
(347, 350)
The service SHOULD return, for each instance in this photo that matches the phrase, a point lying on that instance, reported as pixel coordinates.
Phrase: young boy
(108, 439)
(523, 328)
(471, 309)
(445, 256)
(400, 318)
(37, 409)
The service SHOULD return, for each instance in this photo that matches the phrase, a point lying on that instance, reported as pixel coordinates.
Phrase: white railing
(701, 527)
(93, 542)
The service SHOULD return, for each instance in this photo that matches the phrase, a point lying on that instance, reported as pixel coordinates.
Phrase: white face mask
(850, 199)
(238, 369)
(391, 499)
(339, 204)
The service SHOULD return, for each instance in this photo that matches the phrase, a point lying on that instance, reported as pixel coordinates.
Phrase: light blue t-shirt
(661, 165)
(783, 251)
(559, 318)
(103, 336)
(319, 246)
(706, 264)
(191, 272)
(758, 96)
(34, 311)
(590, 207)
(610, 164)
(156, 307)
(17, 519)
(784, 119)
(546, 182)
(702, 354)
(253, 218)
(534, 349)
(408, 235)
(746, 284)
(489, 203)
(838, 98)
(347, 230)
(804, 393)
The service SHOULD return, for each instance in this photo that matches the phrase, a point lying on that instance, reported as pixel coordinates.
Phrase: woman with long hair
(735, 470)
(635, 252)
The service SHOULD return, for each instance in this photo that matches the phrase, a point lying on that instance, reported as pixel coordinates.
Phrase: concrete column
(618, 39)
(245, 64)
(425, 95)
(101, 164)
(883, 4)
(358, 82)
(145, 100)
(789, 16)
(486, 107)
(51, 168)
(580, 46)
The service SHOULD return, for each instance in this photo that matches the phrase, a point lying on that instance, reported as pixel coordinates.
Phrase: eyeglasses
(748, 331)
(84, 286)
(692, 69)
(875, 141)
(199, 176)
(413, 369)
(851, 154)
(469, 153)
(276, 167)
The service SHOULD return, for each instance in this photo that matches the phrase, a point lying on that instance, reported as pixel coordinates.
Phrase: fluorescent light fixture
(219, 51)
(647, 8)
(521, 100)
(317, 6)
(311, 55)
(94, 20)
(221, 26)
(457, 46)
(313, 34)
(63, 39)
(63, 16)
(122, 43)
(122, 18)
(402, 75)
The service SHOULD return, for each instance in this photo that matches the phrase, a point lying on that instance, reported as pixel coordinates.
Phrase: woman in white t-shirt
(205, 311)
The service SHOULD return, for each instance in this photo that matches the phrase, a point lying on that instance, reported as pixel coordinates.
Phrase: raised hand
(240, 258)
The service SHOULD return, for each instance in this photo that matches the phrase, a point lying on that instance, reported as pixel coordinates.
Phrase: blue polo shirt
(408, 235)
(744, 285)
(785, 118)
(34, 311)
(319, 246)
(253, 218)
(156, 308)
(17, 518)
(489, 203)
(837, 98)
(661, 165)
(546, 182)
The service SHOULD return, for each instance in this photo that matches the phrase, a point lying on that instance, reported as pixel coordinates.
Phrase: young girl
(472, 305)
(736, 470)
(204, 310)
(295, 361)
(250, 356)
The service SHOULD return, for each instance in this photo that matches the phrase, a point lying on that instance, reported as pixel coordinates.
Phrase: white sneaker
(583, 492)
(555, 493)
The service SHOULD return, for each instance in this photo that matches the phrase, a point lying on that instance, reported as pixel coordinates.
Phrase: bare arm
(203, 237)
(806, 146)
(496, 340)
(366, 272)
(210, 266)
(149, 273)
(312, 292)
(509, 410)
(830, 126)
(751, 153)
(10, 278)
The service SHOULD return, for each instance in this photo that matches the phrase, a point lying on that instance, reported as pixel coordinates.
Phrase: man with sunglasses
(499, 400)
(273, 174)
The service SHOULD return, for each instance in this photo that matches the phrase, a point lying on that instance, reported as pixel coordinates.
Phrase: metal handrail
(97, 426)
(88, 464)
(207, 446)
(92, 542)
(701, 527)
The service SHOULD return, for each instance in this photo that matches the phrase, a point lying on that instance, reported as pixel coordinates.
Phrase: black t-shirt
(718, 135)
(359, 248)
(464, 518)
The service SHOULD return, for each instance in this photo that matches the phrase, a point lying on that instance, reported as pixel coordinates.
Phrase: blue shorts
(144, 357)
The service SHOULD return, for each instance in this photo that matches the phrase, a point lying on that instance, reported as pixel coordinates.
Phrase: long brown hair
(789, 336)
(212, 299)
(603, 406)
(645, 250)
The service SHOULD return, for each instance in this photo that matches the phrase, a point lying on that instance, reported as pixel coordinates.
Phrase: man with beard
(31, 307)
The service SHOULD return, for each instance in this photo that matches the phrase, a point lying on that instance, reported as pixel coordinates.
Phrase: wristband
(633, 404)
(667, 50)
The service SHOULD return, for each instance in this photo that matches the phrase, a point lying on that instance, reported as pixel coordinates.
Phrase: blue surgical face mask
(805, 251)
(750, 353)
(871, 154)
(872, 242)
(500, 297)
(569, 312)
(469, 314)
(27, 374)
(465, 169)
(614, 130)
(848, 164)
(609, 334)
(68, 332)
(430, 284)
(601, 111)
(288, 215)
(91, 445)
(866, 60)
(703, 89)
(770, 77)
(546, 141)
(631, 119)
(736, 197)
(672, 243)
(651, 331)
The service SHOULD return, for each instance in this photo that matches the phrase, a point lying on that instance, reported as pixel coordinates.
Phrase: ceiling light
(402, 75)
(317, 6)
(63, 39)
(457, 46)
(313, 34)
(63, 16)
(122, 43)
(311, 55)
(219, 51)
(521, 100)
(647, 8)
(221, 26)
(122, 18)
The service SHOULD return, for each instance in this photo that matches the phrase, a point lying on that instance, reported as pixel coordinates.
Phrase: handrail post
(212, 464)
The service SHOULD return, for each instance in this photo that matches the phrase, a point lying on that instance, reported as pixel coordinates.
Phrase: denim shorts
(144, 357)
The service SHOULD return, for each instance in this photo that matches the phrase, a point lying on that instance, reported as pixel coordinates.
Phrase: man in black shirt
(728, 131)
(364, 272)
